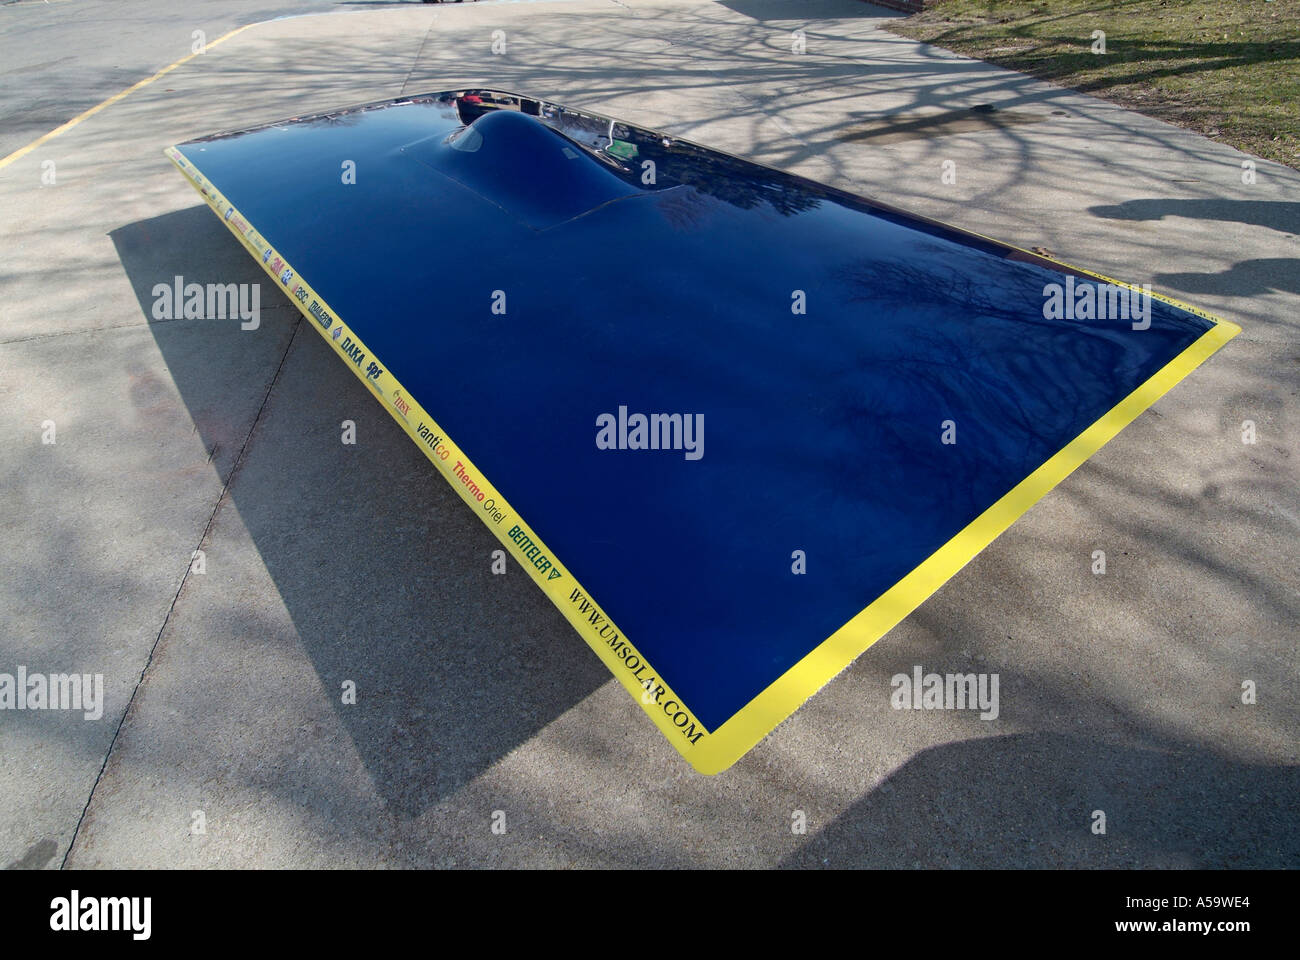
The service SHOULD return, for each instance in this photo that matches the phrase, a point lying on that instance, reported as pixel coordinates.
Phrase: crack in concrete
(225, 490)
(401, 91)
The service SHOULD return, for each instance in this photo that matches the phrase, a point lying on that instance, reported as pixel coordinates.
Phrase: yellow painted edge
(715, 751)
(558, 590)
(64, 127)
(761, 715)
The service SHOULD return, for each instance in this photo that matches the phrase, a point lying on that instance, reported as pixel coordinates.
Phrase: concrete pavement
(1119, 693)
(64, 57)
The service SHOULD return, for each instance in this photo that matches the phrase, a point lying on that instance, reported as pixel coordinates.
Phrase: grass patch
(1228, 69)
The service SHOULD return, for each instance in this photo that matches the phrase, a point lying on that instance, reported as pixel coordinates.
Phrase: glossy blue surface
(821, 431)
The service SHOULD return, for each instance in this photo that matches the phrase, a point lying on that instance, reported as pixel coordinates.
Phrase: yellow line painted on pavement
(23, 151)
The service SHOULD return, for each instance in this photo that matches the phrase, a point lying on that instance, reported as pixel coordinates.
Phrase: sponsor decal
(469, 483)
(322, 316)
(300, 293)
(266, 254)
(352, 351)
(337, 331)
(531, 551)
(286, 276)
(492, 510)
(433, 441)
(655, 691)
(401, 404)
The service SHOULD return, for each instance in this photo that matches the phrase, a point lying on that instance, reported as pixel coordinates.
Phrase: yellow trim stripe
(628, 665)
(64, 127)
(712, 752)
(762, 714)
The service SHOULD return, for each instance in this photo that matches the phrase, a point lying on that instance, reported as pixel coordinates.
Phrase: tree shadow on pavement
(1028, 801)
(1277, 215)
